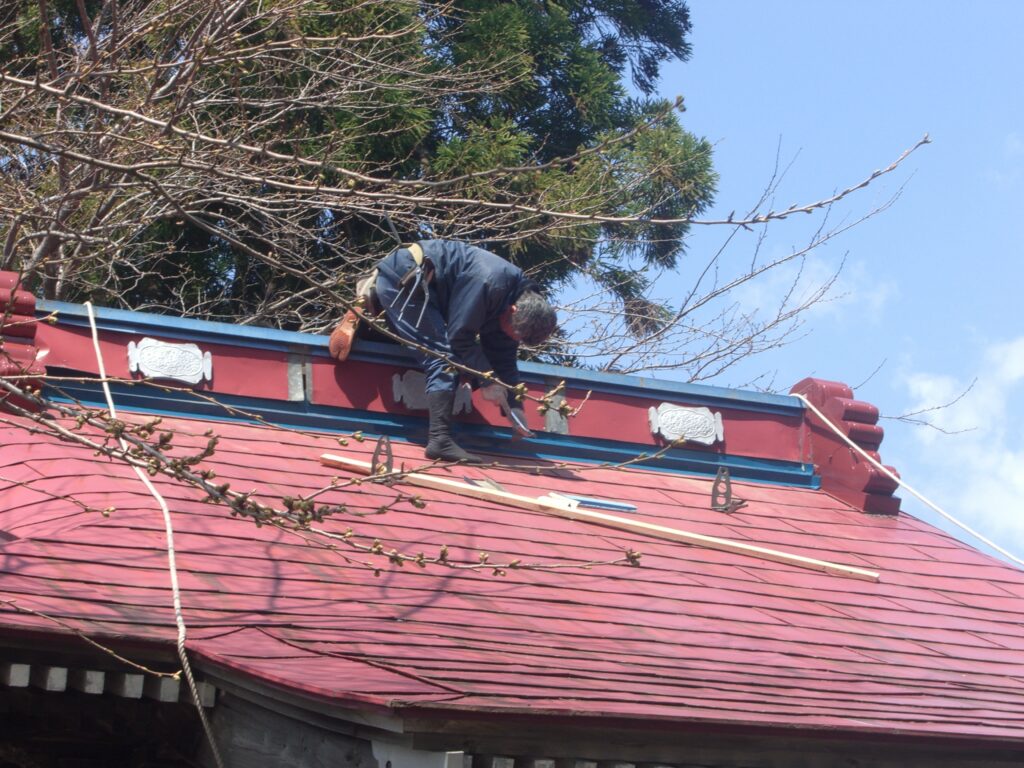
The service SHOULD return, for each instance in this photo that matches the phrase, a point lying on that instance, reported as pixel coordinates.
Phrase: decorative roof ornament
(678, 422)
(20, 352)
(161, 360)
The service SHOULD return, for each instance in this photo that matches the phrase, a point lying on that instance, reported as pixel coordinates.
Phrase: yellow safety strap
(416, 252)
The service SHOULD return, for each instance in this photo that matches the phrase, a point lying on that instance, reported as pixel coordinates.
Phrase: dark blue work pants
(415, 315)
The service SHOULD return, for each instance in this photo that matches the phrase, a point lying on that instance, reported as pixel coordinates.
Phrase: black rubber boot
(440, 445)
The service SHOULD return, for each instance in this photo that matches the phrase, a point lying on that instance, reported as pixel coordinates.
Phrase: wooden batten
(564, 507)
(13, 675)
(91, 681)
(126, 685)
(165, 689)
(54, 679)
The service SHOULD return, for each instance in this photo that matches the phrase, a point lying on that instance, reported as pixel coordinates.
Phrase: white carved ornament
(162, 360)
(678, 422)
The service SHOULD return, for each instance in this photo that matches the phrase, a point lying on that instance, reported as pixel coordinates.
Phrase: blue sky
(931, 290)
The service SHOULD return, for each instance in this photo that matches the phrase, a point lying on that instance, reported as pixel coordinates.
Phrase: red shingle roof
(693, 635)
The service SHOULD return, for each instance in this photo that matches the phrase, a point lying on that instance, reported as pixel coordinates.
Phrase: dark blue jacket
(472, 288)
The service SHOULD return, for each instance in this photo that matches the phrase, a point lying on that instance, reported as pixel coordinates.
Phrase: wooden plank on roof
(562, 507)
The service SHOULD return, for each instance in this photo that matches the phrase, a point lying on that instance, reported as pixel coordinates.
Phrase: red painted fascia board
(236, 370)
(366, 385)
(621, 417)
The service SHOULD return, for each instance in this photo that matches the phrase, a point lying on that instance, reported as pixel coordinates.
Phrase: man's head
(530, 320)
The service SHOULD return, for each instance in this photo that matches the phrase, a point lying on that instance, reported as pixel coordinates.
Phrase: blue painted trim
(143, 397)
(186, 329)
(692, 394)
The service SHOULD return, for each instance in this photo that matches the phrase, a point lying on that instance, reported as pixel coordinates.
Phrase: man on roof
(462, 304)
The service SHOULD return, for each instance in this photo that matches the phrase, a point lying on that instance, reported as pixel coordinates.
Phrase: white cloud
(977, 475)
(1008, 360)
(1013, 146)
(1011, 168)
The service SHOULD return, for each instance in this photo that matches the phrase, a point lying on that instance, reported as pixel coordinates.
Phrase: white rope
(171, 560)
(904, 485)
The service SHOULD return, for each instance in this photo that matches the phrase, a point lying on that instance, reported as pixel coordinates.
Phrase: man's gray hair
(534, 319)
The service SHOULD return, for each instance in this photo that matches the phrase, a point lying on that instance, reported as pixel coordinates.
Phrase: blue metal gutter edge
(188, 329)
(546, 446)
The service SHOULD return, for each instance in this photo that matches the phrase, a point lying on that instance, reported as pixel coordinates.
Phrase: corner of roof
(843, 472)
(19, 353)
